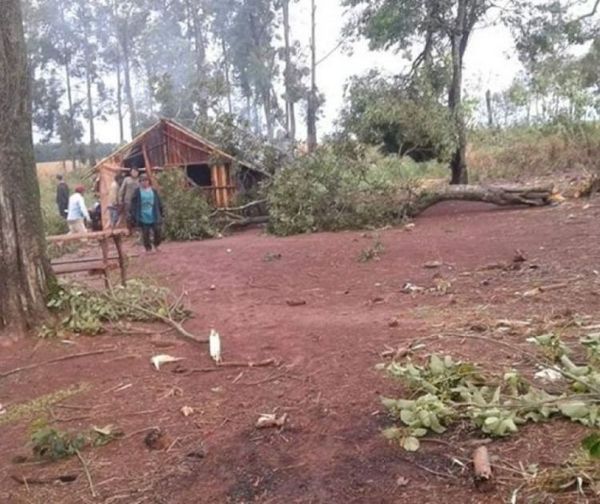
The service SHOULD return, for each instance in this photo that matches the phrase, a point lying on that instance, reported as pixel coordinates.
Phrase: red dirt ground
(331, 449)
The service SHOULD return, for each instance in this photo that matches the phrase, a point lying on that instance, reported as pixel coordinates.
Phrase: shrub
(187, 212)
(329, 192)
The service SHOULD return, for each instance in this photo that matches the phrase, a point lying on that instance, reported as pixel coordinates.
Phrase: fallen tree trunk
(498, 195)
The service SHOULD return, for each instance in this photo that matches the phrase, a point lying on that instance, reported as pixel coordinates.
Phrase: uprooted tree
(329, 191)
(24, 268)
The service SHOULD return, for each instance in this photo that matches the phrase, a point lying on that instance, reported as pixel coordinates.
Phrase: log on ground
(497, 195)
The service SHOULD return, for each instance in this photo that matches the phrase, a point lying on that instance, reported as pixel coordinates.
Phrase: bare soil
(309, 303)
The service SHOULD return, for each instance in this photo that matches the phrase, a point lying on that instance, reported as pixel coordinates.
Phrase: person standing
(126, 192)
(62, 196)
(114, 205)
(147, 213)
(77, 213)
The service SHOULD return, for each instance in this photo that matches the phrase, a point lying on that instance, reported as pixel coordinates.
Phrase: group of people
(131, 198)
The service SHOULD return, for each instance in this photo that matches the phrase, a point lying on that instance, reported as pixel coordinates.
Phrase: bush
(329, 192)
(187, 212)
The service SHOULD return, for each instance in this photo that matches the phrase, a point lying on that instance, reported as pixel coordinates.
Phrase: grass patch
(39, 406)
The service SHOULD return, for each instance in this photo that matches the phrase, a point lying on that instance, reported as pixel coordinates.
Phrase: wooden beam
(93, 235)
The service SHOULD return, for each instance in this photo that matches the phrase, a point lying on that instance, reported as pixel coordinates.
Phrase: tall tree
(425, 24)
(24, 268)
(311, 113)
(290, 112)
(128, 20)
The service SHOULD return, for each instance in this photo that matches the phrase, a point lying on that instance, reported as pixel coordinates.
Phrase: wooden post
(122, 262)
(214, 176)
(104, 248)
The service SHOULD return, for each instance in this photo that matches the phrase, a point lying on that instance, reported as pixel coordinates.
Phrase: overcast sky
(490, 60)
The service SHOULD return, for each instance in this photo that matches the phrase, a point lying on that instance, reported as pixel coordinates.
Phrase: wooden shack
(168, 145)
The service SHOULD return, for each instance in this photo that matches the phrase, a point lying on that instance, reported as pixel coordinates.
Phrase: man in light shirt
(114, 205)
(78, 213)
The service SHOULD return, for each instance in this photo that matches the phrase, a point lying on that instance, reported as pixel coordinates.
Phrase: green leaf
(436, 365)
(407, 416)
(410, 443)
(591, 444)
(574, 409)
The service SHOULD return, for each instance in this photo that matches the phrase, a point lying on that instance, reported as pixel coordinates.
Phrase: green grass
(53, 223)
(39, 405)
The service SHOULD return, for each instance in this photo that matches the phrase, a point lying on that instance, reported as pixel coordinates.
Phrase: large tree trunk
(490, 111)
(128, 90)
(24, 269)
(459, 38)
(120, 103)
(497, 195)
(290, 112)
(90, 109)
(197, 37)
(227, 76)
(71, 145)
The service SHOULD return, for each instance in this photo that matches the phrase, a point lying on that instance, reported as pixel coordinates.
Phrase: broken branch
(58, 359)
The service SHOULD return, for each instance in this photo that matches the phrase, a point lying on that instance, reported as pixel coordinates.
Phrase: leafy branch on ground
(187, 210)
(85, 311)
(53, 444)
(443, 391)
(333, 190)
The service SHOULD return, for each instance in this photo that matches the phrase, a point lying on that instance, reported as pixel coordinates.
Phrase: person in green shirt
(147, 213)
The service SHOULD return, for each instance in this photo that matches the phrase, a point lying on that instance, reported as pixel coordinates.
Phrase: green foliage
(399, 117)
(591, 444)
(444, 391)
(330, 191)
(54, 224)
(187, 212)
(234, 138)
(439, 376)
(39, 405)
(53, 444)
(551, 346)
(85, 311)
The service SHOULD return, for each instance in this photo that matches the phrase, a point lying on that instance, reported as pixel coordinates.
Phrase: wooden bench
(103, 263)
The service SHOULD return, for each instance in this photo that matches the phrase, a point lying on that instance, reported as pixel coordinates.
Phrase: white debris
(214, 345)
(267, 420)
(548, 375)
(157, 360)
(186, 411)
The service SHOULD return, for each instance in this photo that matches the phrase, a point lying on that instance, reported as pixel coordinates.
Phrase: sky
(490, 61)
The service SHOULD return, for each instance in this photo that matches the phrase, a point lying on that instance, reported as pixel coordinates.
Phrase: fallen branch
(225, 365)
(58, 359)
(430, 471)
(166, 320)
(264, 363)
(66, 478)
(87, 473)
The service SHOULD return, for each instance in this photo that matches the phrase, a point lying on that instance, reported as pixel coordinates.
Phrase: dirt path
(331, 450)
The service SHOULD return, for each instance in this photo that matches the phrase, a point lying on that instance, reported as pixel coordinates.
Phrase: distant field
(53, 168)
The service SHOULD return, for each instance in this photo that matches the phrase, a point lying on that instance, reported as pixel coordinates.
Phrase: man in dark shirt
(62, 196)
